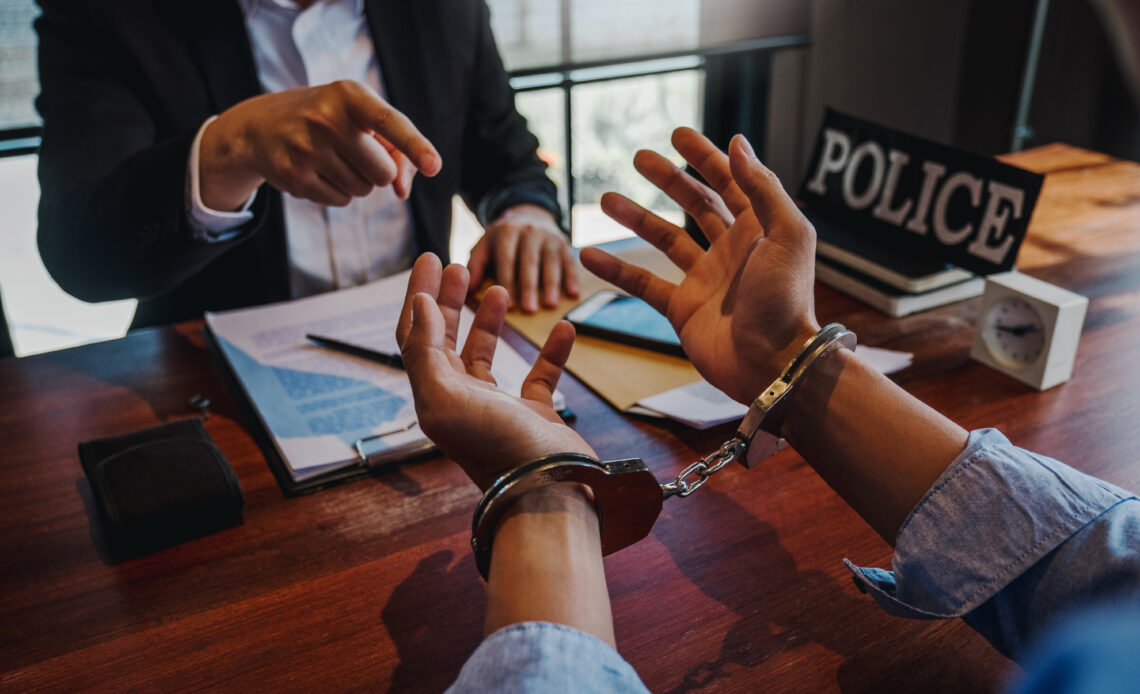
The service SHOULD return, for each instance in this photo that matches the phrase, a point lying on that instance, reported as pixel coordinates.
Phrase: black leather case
(161, 486)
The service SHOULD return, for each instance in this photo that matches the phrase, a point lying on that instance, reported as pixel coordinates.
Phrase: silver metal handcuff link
(627, 495)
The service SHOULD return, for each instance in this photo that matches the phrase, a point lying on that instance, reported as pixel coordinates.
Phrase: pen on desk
(392, 360)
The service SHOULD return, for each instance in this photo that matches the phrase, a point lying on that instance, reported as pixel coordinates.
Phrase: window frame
(17, 142)
(568, 75)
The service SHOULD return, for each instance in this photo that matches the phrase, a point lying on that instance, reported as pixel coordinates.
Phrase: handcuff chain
(704, 468)
(766, 412)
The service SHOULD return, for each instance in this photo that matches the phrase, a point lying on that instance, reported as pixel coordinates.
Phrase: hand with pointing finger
(327, 144)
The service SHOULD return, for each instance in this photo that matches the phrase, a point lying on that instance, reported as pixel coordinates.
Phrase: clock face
(1014, 332)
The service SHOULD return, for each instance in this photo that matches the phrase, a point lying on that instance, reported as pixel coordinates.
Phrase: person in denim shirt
(1011, 541)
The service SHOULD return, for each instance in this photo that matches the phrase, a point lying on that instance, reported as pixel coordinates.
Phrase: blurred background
(599, 79)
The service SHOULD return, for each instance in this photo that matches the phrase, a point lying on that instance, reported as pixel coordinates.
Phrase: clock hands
(1018, 330)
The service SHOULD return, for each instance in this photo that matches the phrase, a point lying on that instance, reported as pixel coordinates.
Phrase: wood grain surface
(371, 585)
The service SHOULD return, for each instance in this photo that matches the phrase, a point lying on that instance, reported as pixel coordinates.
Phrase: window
(17, 64)
(598, 80)
(592, 103)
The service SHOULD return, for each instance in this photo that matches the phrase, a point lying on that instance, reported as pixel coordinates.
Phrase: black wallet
(161, 486)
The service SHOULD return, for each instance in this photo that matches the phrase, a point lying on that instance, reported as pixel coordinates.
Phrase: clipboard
(291, 487)
(319, 416)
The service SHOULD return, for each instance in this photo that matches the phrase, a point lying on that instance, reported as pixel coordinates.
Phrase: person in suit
(226, 153)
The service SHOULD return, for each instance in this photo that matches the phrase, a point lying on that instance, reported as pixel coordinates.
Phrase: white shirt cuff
(210, 225)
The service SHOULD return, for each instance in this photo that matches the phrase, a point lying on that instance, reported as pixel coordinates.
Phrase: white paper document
(885, 361)
(701, 406)
(316, 403)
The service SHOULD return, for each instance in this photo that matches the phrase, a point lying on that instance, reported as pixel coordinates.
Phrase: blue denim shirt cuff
(995, 512)
(545, 657)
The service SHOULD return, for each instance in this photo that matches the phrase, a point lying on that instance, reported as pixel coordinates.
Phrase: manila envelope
(621, 374)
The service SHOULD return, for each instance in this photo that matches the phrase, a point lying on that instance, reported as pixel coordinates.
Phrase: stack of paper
(316, 404)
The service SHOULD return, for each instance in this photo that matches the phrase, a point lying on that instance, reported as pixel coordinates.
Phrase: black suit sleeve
(501, 167)
(112, 169)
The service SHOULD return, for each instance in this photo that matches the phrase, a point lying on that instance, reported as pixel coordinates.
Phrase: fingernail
(747, 146)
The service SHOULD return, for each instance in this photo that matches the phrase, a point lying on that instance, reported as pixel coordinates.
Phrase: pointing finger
(371, 113)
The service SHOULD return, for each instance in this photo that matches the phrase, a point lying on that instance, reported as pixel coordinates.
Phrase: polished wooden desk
(371, 585)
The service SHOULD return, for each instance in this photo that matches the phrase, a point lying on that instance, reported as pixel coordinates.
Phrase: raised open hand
(459, 407)
(745, 306)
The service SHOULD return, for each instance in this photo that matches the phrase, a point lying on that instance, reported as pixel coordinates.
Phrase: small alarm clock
(1029, 329)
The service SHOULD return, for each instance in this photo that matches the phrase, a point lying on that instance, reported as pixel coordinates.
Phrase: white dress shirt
(328, 247)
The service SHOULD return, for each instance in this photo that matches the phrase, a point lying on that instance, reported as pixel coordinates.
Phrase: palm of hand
(458, 403)
(489, 432)
(733, 311)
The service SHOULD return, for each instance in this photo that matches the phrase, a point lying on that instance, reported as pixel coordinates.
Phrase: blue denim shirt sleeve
(545, 657)
(1010, 540)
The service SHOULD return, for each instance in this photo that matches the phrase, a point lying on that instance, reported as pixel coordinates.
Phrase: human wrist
(768, 412)
(559, 517)
(808, 405)
(565, 497)
(527, 213)
(226, 176)
(779, 356)
(547, 564)
(807, 329)
(626, 495)
(486, 471)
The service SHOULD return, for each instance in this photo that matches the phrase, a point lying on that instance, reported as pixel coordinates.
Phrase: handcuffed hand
(527, 253)
(745, 306)
(327, 144)
(459, 407)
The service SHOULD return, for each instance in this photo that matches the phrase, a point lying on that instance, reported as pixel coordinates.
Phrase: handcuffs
(627, 496)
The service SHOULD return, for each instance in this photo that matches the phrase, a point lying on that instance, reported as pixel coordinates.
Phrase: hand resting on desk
(527, 253)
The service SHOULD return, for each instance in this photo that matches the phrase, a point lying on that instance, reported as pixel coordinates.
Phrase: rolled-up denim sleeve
(545, 657)
(1009, 540)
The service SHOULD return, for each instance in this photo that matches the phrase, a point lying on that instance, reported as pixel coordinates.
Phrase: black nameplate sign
(927, 199)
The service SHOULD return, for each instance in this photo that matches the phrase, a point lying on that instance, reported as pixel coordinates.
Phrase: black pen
(392, 360)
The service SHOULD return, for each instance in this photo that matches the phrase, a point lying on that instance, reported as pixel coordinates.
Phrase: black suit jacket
(125, 85)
